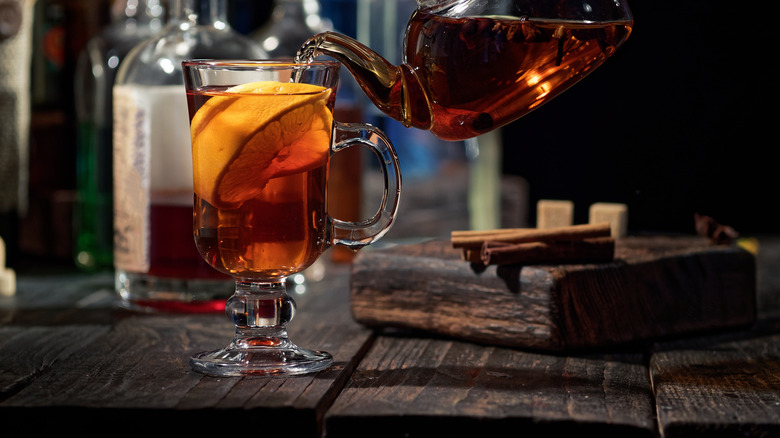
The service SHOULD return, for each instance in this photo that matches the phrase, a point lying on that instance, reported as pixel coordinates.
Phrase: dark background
(678, 121)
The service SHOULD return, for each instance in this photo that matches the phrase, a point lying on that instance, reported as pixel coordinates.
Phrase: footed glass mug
(471, 66)
(262, 135)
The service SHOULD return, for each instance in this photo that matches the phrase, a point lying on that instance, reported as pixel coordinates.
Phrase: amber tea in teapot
(482, 72)
(473, 66)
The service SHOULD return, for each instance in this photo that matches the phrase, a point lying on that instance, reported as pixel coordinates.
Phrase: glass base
(261, 346)
(146, 293)
(270, 361)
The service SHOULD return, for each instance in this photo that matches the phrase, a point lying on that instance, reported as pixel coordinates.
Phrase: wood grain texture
(655, 287)
(410, 386)
(133, 369)
(718, 386)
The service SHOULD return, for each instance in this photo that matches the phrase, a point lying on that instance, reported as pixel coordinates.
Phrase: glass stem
(260, 311)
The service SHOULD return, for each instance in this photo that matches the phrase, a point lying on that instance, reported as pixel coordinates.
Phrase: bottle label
(152, 164)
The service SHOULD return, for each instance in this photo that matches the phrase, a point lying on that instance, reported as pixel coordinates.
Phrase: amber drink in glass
(262, 137)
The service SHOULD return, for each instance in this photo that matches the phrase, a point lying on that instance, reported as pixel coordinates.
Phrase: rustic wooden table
(72, 361)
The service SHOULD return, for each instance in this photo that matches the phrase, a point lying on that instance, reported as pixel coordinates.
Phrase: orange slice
(254, 132)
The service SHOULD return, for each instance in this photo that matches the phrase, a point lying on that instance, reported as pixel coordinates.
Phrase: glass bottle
(156, 262)
(292, 23)
(16, 43)
(131, 22)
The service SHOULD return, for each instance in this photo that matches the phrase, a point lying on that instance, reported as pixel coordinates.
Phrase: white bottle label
(152, 164)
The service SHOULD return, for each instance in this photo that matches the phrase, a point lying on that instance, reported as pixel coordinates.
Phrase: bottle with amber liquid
(132, 21)
(157, 264)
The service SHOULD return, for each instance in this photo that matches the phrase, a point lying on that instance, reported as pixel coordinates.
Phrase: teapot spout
(395, 90)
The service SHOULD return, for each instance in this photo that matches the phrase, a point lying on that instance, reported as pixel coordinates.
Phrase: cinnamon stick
(465, 239)
(472, 255)
(498, 231)
(587, 250)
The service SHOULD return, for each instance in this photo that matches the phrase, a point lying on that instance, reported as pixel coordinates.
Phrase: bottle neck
(200, 13)
(288, 8)
(299, 11)
(136, 16)
(140, 11)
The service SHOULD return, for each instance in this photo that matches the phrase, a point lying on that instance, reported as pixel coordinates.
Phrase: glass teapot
(471, 66)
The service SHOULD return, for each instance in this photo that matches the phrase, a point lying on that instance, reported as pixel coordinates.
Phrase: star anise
(718, 233)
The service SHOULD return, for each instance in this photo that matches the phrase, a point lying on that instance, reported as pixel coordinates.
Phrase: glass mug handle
(356, 235)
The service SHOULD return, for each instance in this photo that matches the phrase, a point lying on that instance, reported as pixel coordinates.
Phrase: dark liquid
(178, 279)
(484, 72)
(94, 219)
(172, 251)
(278, 233)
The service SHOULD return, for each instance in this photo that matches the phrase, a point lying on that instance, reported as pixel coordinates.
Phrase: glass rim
(252, 64)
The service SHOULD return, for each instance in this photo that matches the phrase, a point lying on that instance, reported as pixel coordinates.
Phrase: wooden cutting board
(656, 287)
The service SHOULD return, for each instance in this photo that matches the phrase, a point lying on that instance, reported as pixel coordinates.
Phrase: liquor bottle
(131, 22)
(48, 58)
(16, 36)
(156, 262)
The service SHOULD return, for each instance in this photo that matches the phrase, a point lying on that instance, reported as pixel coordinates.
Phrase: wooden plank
(47, 322)
(415, 386)
(718, 387)
(136, 371)
(28, 352)
(656, 287)
(767, 260)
